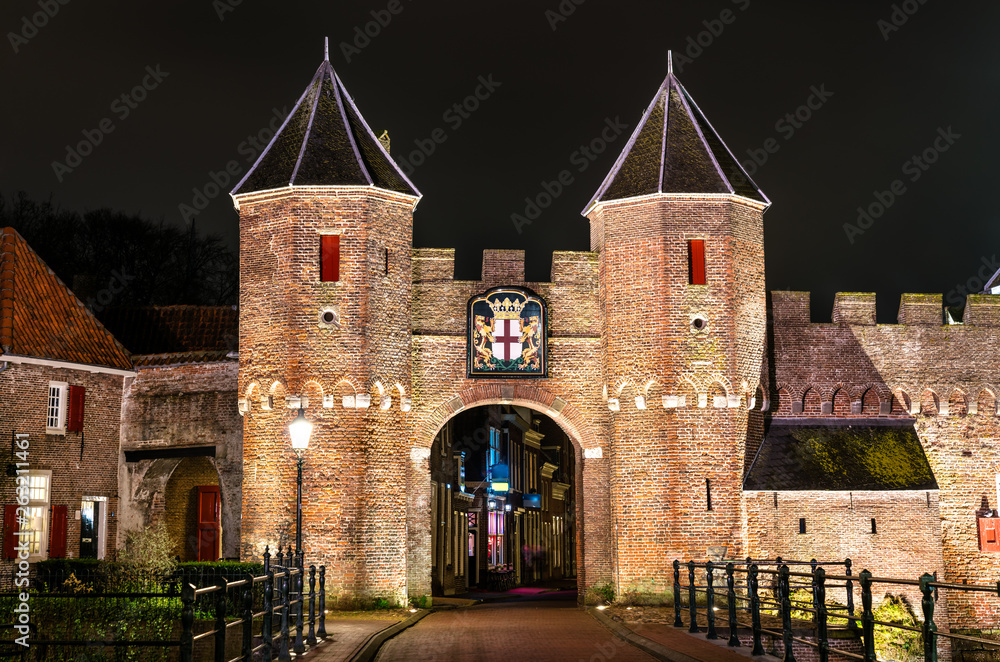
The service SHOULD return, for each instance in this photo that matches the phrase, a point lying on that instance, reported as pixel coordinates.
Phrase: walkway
(505, 631)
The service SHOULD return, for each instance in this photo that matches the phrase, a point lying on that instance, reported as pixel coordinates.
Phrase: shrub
(148, 553)
(599, 594)
(894, 643)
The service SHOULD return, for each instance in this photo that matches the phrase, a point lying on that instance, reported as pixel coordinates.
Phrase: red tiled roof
(41, 318)
(175, 329)
(181, 358)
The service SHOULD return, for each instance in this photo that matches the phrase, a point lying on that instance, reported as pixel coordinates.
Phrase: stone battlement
(506, 266)
(858, 309)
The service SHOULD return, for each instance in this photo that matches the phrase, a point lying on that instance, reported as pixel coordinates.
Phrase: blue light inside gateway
(532, 500)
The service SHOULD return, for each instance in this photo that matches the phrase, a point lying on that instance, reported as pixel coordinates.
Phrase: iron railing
(817, 581)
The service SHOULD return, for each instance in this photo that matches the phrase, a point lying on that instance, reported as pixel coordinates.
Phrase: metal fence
(174, 617)
(747, 596)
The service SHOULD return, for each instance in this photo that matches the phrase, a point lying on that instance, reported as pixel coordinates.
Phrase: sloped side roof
(830, 454)
(674, 149)
(164, 330)
(41, 318)
(325, 141)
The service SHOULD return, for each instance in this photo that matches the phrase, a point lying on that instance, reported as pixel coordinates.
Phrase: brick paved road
(510, 632)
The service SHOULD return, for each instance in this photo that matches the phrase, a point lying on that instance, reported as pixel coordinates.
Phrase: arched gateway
(646, 350)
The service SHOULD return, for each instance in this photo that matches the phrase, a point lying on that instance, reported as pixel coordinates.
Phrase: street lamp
(300, 430)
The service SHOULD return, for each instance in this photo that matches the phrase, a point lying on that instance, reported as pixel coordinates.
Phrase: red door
(208, 522)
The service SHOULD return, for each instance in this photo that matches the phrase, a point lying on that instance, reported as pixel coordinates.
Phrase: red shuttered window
(329, 258)
(74, 419)
(696, 261)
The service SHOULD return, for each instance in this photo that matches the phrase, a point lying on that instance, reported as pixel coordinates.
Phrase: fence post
(734, 640)
(280, 558)
(784, 592)
(851, 623)
(187, 622)
(819, 582)
(298, 647)
(220, 620)
(815, 566)
(322, 602)
(311, 639)
(678, 623)
(692, 599)
(867, 617)
(710, 601)
(929, 627)
(283, 654)
(758, 647)
(266, 631)
(248, 620)
(267, 559)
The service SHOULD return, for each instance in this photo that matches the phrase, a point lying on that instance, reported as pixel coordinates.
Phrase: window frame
(45, 506)
(61, 411)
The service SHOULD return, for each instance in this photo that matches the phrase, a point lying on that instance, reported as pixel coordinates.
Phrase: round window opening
(328, 317)
(699, 323)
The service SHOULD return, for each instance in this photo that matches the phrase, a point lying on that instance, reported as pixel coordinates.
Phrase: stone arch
(841, 402)
(344, 392)
(812, 403)
(592, 476)
(757, 403)
(313, 391)
(871, 403)
(687, 392)
(957, 403)
(251, 396)
(718, 394)
(930, 404)
(986, 402)
(181, 503)
(783, 402)
(651, 393)
(901, 403)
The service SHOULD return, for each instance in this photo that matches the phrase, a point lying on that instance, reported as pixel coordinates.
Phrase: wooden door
(209, 508)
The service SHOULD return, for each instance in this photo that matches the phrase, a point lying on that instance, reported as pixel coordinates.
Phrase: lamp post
(300, 430)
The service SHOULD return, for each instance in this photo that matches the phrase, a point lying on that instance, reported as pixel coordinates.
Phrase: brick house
(61, 379)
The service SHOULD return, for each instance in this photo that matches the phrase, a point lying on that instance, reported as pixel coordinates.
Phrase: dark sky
(225, 72)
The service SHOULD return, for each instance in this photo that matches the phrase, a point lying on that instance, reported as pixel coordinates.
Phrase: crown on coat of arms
(507, 309)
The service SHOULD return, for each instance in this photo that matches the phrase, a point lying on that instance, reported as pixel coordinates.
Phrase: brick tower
(325, 289)
(679, 228)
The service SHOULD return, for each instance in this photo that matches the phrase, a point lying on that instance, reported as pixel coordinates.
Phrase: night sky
(893, 79)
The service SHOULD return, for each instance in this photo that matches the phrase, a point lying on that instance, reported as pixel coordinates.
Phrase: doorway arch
(594, 545)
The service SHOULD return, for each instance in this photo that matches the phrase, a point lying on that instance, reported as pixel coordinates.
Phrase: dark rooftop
(831, 454)
(165, 330)
(675, 150)
(325, 142)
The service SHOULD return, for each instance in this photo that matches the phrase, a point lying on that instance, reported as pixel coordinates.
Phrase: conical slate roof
(325, 142)
(675, 150)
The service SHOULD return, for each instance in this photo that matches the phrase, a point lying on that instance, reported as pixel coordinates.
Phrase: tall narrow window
(329, 258)
(385, 262)
(55, 414)
(708, 493)
(802, 525)
(696, 261)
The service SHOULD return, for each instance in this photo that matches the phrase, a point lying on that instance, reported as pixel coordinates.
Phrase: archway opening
(503, 503)
(193, 510)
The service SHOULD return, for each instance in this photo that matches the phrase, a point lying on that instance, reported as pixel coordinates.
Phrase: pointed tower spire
(326, 49)
(325, 141)
(675, 150)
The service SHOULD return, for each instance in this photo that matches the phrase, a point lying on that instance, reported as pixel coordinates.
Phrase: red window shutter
(9, 530)
(329, 257)
(696, 262)
(989, 534)
(57, 533)
(74, 418)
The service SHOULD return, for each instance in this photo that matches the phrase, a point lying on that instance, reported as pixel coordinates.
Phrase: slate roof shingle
(325, 141)
(196, 331)
(41, 318)
(674, 149)
(831, 454)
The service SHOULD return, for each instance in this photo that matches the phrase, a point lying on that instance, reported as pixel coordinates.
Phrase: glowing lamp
(300, 430)
(500, 478)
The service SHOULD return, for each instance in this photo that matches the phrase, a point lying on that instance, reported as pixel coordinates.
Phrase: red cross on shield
(507, 339)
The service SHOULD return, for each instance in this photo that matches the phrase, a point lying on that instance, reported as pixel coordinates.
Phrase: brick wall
(24, 391)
